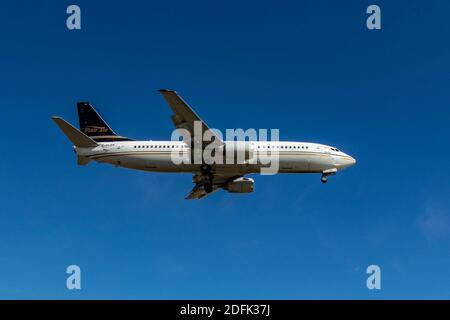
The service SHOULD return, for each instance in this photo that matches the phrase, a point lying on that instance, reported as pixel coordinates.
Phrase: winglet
(78, 138)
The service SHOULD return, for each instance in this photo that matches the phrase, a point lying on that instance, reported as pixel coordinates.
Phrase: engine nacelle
(241, 185)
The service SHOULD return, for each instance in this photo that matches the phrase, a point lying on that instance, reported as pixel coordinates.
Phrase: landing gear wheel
(207, 178)
(205, 168)
(324, 179)
(208, 187)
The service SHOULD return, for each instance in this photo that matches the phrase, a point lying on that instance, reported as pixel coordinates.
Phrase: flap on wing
(198, 192)
(220, 180)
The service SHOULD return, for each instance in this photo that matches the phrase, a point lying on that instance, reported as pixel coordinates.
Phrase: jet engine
(240, 185)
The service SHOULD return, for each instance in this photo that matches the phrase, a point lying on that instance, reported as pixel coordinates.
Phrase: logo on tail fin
(93, 125)
(95, 129)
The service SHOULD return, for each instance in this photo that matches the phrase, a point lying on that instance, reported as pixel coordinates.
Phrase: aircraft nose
(352, 161)
(346, 161)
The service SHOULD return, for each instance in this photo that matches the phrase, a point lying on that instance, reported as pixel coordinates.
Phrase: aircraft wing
(198, 192)
(184, 117)
(219, 181)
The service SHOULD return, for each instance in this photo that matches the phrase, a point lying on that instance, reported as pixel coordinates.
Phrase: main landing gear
(324, 178)
(207, 178)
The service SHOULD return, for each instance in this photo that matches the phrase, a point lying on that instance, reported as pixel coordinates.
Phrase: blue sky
(309, 68)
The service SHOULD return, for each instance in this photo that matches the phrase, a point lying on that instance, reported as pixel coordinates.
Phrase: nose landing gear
(327, 173)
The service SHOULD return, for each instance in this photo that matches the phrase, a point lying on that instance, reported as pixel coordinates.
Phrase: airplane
(96, 141)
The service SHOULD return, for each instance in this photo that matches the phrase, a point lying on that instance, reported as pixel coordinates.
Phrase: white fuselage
(293, 157)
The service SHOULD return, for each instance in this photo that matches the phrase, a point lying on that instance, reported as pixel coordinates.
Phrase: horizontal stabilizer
(78, 138)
